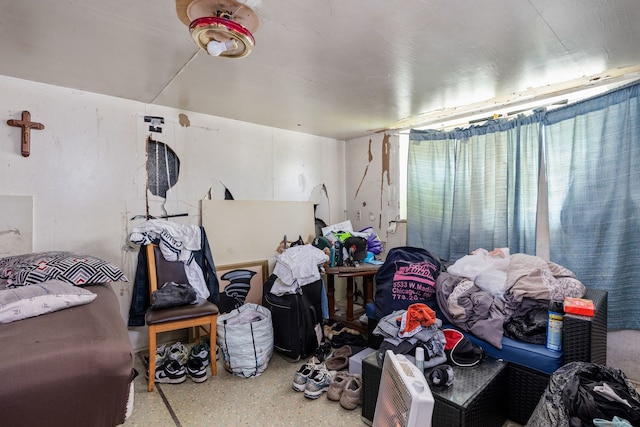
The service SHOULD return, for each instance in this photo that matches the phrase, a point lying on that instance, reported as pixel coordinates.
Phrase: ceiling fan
(220, 27)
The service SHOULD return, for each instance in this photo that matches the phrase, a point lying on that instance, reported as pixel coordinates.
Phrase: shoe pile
(324, 372)
(175, 363)
(339, 335)
(344, 387)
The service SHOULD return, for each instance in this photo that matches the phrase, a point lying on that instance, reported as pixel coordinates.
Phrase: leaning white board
(249, 230)
(16, 225)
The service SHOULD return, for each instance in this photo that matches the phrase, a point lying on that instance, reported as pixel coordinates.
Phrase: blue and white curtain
(474, 188)
(478, 188)
(593, 170)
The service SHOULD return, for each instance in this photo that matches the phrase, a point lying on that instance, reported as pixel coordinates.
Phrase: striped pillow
(76, 269)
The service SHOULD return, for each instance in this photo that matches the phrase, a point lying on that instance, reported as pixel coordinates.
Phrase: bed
(68, 366)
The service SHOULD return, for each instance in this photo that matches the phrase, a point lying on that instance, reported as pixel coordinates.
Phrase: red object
(580, 306)
(452, 337)
(227, 24)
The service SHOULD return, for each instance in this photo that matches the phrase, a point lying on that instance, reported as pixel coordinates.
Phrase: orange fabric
(417, 315)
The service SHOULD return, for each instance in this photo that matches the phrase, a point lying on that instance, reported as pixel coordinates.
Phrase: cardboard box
(581, 306)
(355, 361)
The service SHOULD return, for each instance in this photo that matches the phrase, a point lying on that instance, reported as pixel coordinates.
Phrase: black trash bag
(571, 398)
(584, 403)
(173, 294)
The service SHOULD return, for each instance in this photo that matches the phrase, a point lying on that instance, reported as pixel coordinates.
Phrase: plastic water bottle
(554, 326)
(420, 358)
(338, 253)
(332, 257)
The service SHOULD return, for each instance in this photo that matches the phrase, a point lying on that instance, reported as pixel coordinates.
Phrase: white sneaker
(302, 375)
(171, 373)
(178, 352)
(317, 383)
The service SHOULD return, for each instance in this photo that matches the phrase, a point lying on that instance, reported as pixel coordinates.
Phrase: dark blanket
(72, 367)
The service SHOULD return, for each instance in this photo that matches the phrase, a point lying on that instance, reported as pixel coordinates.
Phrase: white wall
(87, 176)
(372, 181)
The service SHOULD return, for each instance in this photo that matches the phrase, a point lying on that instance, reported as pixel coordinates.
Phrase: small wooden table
(364, 270)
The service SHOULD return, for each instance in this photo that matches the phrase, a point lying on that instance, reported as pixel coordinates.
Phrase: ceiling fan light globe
(215, 48)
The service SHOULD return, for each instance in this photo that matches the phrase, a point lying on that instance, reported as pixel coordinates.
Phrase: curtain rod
(531, 98)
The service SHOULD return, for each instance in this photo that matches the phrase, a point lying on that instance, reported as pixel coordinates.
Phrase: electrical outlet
(359, 215)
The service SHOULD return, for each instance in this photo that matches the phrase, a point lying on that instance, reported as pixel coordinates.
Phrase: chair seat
(200, 308)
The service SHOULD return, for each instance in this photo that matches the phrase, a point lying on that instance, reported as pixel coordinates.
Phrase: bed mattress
(72, 367)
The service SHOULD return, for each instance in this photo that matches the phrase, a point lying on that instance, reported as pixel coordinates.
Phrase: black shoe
(171, 372)
(347, 338)
(321, 353)
(196, 370)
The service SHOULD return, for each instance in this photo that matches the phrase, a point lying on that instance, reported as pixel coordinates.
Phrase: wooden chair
(199, 315)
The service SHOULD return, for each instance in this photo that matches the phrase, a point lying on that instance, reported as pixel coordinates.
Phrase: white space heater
(404, 398)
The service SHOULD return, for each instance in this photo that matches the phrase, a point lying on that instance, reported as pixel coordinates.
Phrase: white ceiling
(335, 68)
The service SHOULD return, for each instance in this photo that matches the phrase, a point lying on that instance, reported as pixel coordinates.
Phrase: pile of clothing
(297, 266)
(405, 330)
(490, 294)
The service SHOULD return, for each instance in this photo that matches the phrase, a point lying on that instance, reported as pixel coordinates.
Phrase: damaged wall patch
(163, 167)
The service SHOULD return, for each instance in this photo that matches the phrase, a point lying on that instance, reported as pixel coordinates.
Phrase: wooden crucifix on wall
(26, 124)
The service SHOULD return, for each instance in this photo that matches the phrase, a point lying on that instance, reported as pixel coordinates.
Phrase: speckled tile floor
(228, 400)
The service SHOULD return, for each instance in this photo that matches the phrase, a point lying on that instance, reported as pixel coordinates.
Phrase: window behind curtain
(592, 165)
(474, 188)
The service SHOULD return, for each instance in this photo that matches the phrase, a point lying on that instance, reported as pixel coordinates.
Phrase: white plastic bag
(245, 338)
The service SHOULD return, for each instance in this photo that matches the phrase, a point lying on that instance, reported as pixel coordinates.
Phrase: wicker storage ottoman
(478, 396)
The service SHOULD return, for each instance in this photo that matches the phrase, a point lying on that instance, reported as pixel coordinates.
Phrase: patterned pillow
(41, 298)
(69, 267)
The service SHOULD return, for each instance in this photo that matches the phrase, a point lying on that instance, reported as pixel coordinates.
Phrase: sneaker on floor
(337, 386)
(321, 353)
(317, 383)
(201, 352)
(302, 375)
(348, 338)
(352, 394)
(162, 354)
(178, 352)
(171, 372)
(196, 370)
